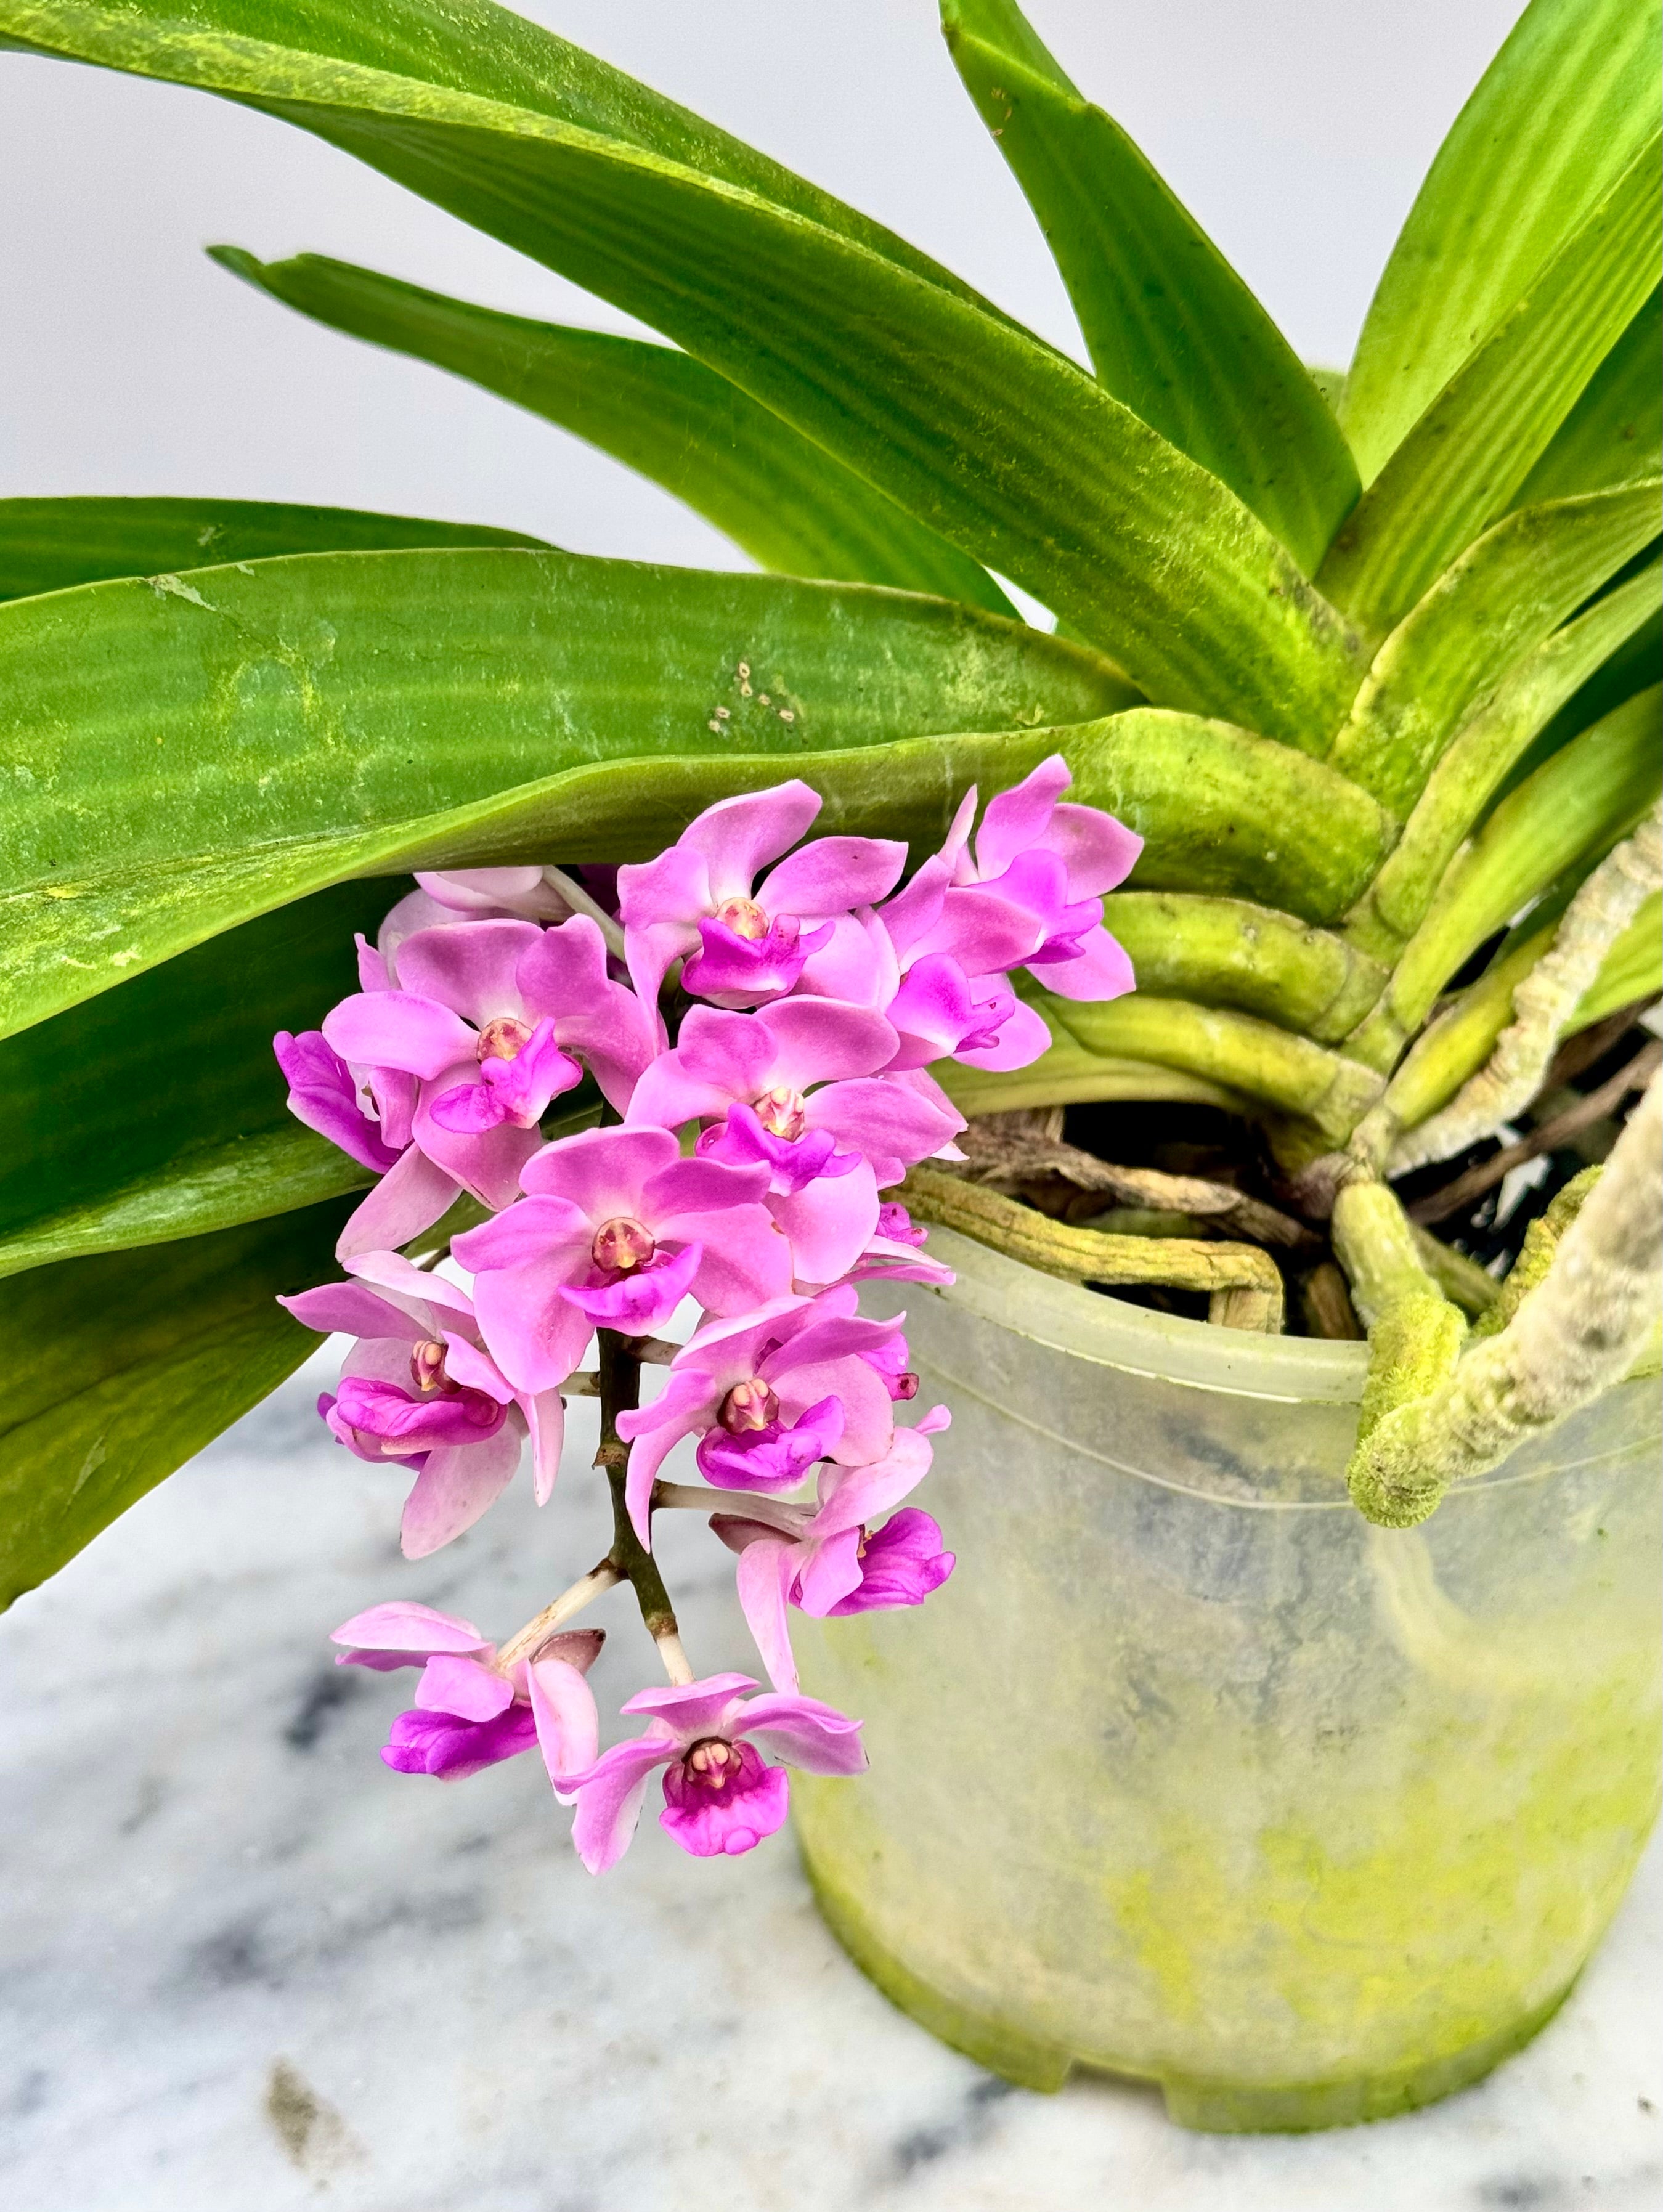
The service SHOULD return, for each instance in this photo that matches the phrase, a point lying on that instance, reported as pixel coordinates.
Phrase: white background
(1296, 131)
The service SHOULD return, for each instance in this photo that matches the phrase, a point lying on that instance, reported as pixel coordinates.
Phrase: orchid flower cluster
(758, 1016)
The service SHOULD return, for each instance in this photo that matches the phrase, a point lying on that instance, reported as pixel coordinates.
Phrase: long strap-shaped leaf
(988, 436)
(789, 504)
(1485, 750)
(1476, 443)
(52, 544)
(1614, 434)
(175, 1063)
(1575, 805)
(1172, 330)
(183, 753)
(1565, 106)
(129, 1364)
(1499, 601)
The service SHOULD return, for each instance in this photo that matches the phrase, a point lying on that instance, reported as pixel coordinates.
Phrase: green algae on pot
(1191, 1774)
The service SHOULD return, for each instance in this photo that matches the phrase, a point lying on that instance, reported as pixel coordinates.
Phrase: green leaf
(1229, 952)
(1480, 759)
(1564, 107)
(1171, 329)
(183, 754)
(1632, 969)
(52, 544)
(1224, 811)
(788, 504)
(157, 1110)
(1614, 434)
(1633, 666)
(127, 1365)
(989, 437)
(1504, 596)
(1576, 804)
(1472, 448)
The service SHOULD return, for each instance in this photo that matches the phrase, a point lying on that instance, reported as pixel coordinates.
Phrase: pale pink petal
(1103, 971)
(1020, 818)
(821, 1040)
(693, 1709)
(410, 1197)
(346, 1309)
(399, 1029)
(457, 1485)
(701, 1187)
(568, 1725)
(746, 1260)
(600, 1171)
(882, 1116)
(545, 1416)
(417, 1291)
(804, 1732)
(610, 1795)
(487, 1165)
(853, 1496)
(830, 1569)
(765, 1568)
(828, 1224)
(833, 876)
(739, 837)
(461, 1686)
(1023, 1036)
(1097, 851)
(469, 967)
(414, 1632)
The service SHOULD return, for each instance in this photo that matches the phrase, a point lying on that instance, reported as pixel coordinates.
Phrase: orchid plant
(741, 1166)
(1367, 662)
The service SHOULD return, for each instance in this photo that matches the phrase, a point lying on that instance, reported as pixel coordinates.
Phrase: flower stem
(620, 1373)
(773, 1513)
(557, 1613)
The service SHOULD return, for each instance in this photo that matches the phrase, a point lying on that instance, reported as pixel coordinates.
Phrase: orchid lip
(504, 1038)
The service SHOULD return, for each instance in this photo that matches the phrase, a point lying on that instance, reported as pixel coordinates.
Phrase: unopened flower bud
(743, 917)
(427, 1366)
(748, 1405)
(504, 1038)
(782, 1112)
(622, 1244)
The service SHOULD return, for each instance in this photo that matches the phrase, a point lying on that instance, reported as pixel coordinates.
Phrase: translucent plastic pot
(1188, 1773)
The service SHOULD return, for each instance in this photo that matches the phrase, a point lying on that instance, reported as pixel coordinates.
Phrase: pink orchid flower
(334, 1099)
(418, 1389)
(1052, 861)
(616, 1230)
(719, 1796)
(803, 1067)
(838, 1564)
(747, 942)
(480, 1016)
(768, 1381)
(470, 1713)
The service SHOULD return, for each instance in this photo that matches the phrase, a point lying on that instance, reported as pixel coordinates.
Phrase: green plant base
(1208, 2107)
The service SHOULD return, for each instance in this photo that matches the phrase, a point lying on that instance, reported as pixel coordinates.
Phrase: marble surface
(242, 1965)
